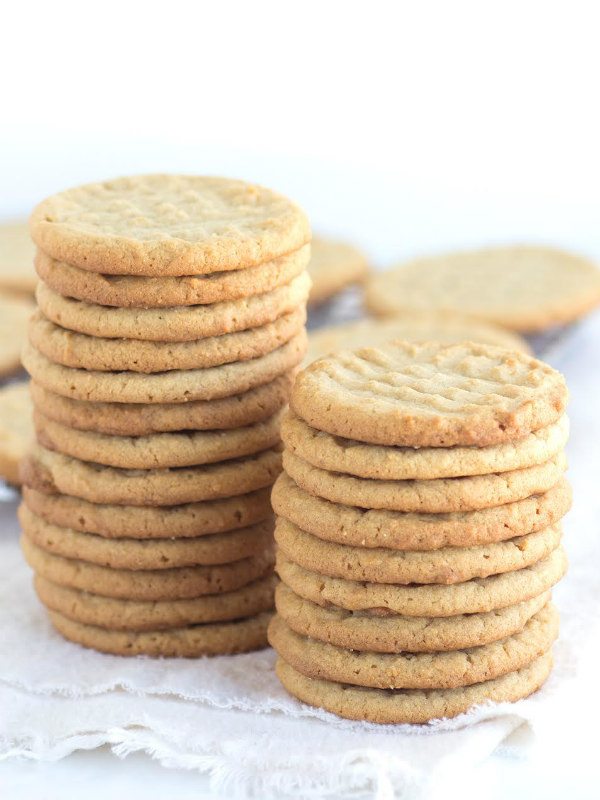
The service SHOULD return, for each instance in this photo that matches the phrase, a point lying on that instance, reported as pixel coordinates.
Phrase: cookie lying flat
(124, 291)
(55, 473)
(168, 225)
(179, 324)
(220, 638)
(433, 496)
(115, 355)
(163, 584)
(417, 326)
(450, 565)
(333, 266)
(144, 419)
(218, 548)
(472, 597)
(16, 429)
(159, 450)
(140, 615)
(447, 670)
(411, 705)
(150, 522)
(523, 288)
(175, 386)
(348, 524)
(16, 259)
(429, 395)
(14, 319)
(337, 454)
(362, 630)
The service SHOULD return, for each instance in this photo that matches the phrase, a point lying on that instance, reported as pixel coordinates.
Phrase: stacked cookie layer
(170, 322)
(418, 530)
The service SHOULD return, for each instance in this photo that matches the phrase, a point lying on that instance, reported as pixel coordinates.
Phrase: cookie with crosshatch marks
(161, 225)
(173, 386)
(123, 291)
(209, 639)
(411, 705)
(429, 395)
(447, 670)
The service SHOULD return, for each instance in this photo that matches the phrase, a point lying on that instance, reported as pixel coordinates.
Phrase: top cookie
(429, 395)
(168, 225)
(333, 266)
(16, 259)
(524, 288)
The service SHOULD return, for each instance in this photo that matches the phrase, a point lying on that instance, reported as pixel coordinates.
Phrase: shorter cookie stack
(418, 530)
(171, 320)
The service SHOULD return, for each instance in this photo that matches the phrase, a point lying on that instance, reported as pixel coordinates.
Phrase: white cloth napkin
(231, 718)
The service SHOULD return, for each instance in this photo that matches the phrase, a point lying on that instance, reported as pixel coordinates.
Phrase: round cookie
(144, 419)
(417, 326)
(158, 450)
(351, 525)
(16, 259)
(134, 554)
(55, 473)
(16, 429)
(178, 583)
(471, 597)
(412, 705)
(175, 386)
(429, 395)
(14, 319)
(361, 630)
(150, 522)
(123, 291)
(220, 638)
(450, 565)
(333, 266)
(523, 288)
(408, 463)
(160, 225)
(140, 615)
(116, 355)
(433, 496)
(447, 670)
(179, 324)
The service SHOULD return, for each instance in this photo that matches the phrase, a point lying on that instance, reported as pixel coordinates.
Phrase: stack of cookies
(170, 322)
(418, 530)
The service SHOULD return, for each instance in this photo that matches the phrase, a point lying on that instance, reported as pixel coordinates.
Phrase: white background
(406, 127)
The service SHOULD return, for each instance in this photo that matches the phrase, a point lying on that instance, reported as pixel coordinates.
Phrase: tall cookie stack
(170, 322)
(419, 530)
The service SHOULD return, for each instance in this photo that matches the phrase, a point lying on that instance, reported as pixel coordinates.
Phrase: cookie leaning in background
(417, 326)
(14, 317)
(17, 274)
(16, 429)
(523, 288)
(334, 266)
(418, 527)
(170, 325)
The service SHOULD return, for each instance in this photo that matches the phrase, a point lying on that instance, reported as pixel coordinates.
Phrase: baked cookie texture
(17, 275)
(494, 285)
(14, 319)
(430, 395)
(412, 326)
(170, 325)
(418, 527)
(174, 225)
(333, 266)
(16, 429)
